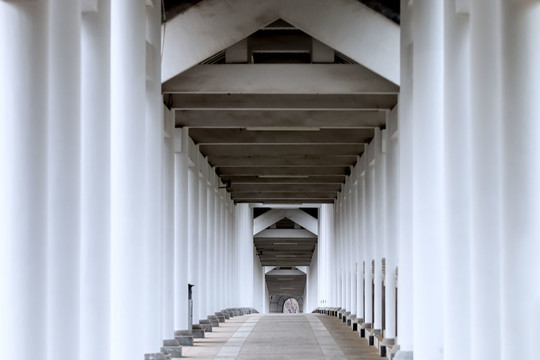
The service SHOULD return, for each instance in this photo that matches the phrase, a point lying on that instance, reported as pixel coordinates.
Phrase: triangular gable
(298, 216)
(345, 25)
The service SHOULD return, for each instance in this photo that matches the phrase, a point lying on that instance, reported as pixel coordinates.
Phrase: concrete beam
(351, 28)
(283, 172)
(279, 78)
(282, 150)
(283, 188)
(241, 136)
(281, 101)
(278, 202)
(285, 195)
(281, 118)
(273, 216)
(272, 160)
(303, 219)
(211, 26)
(331, 179)
(285, 233)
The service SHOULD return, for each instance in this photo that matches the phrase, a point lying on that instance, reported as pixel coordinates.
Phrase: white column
(193, 239)
(342, 252)
(223, 259)
(456, 235)
(95, 183)
(353, 248)
(202, 261)
(520, 308)
(380, 224)
(63, 179)
(405, 254)
(361, 231)
(167, 227)
(486, 179)
(427, 180)
(153, 140)
(23, 179)
(392, 221)
(244, 233)
(181, 235)
(345, 238)
(370, 239)
(326, 216)
(211, 250)
(128, 265)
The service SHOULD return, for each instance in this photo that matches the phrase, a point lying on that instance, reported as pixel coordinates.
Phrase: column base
(213, 320)
(198, 331)
(370, 335)
(184, 337)
(206, 324)
(220, 316)
(172, 347)
(173, 351)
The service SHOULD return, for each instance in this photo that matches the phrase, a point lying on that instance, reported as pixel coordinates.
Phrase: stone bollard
(172, 347)
(206, 324)
(213, 320)
(184, 337)
(220, 316)
(197, 331)
(226, 313)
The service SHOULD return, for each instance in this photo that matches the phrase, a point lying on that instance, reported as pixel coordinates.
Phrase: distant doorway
(290, 306)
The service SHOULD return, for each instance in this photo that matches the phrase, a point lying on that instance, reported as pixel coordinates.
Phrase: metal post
(190, 307)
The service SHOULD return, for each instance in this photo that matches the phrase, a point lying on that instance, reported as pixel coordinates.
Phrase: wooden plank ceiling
(278, 126)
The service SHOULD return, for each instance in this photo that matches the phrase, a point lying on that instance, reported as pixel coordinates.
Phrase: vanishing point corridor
(282, 336)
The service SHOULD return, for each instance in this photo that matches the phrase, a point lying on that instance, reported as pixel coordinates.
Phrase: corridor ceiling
(281, 116)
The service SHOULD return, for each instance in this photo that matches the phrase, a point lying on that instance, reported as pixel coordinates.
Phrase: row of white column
(473, 162)
(451, 199)
(81, 253)
(94, 230)
(366, 233)
(203, 232)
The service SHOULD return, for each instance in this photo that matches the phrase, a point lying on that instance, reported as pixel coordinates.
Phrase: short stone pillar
(184, 337)
(172, 347)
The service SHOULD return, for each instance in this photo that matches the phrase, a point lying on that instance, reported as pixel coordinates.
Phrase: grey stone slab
(170, 342)
(174, 351)
(185, 340)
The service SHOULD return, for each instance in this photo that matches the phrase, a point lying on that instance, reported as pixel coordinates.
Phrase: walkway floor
(281, 336)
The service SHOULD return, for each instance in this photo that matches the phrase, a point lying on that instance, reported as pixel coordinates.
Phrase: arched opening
(290, 306)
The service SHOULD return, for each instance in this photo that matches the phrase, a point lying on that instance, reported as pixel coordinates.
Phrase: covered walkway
(281, 336)
(166, 164)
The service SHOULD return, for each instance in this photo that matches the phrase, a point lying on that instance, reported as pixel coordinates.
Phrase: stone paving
(281, 336)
